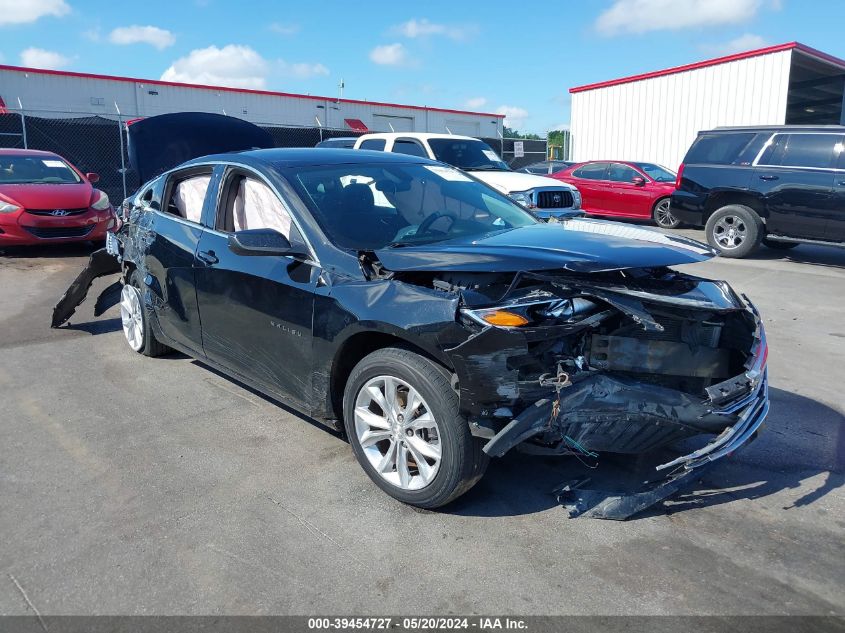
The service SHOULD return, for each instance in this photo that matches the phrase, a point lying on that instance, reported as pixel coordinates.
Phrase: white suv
(546, 197)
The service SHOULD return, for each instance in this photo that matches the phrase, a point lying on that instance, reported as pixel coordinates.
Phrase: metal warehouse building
(57, 93)
(655, 116)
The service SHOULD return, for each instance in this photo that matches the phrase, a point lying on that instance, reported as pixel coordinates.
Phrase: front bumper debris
(615, 414)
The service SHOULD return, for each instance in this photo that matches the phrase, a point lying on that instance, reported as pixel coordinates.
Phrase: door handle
(769, 177)
(208, 257)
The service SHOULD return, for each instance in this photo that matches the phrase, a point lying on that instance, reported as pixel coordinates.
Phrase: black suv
(780, 185)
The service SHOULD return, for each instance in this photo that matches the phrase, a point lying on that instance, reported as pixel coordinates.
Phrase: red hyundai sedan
(624, 189)
(45, 199)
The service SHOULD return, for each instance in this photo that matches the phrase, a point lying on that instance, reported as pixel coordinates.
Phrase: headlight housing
(8, 207)
(533, 311)
(101, 203)
(525, 198)
(576, 198)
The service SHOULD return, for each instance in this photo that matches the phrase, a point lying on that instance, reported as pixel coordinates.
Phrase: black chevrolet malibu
(428, 316)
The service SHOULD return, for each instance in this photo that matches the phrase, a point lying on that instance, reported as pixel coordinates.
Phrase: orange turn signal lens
(503, 318)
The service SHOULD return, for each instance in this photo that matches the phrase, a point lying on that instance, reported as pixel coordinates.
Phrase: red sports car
(43, 198)
(624, 189)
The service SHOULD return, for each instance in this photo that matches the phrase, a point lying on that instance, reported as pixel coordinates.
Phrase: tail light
(679, 176)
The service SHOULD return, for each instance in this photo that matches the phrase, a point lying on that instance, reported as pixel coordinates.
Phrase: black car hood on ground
(161, 142)
(577, 245)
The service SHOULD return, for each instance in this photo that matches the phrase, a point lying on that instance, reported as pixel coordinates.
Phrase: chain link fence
(98, 143)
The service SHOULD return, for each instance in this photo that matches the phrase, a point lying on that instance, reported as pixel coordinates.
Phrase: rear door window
(801, 150)
(376, 144)
(594, 171)
(723, 149)
(403, 146)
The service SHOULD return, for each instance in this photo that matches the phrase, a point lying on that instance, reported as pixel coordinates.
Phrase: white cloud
(475, 102)
(514, 116)
(284, 28)
(26, 11)
(746, 42)
(40, 58)
(424, 28)
(135, 34)
(559, 127)
(642, 16)
(233, 65)
(301, 70)
(389, 55)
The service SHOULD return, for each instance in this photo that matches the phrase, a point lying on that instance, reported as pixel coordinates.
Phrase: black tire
(748, 229)
(662, 215)
(779, 246)
(462, 461)
(151, 346)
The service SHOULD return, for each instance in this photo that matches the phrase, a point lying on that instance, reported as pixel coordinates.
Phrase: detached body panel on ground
(431, 318)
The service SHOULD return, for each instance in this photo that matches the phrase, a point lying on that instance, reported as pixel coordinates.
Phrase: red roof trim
(713, 62)
(159, 82)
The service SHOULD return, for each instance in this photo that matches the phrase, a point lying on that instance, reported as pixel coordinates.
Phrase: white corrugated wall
(657, 119)
(49, 94)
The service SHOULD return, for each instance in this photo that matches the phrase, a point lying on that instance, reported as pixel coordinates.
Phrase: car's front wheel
(402, 419)
(663, 216)
(135, 319)
(735, 230)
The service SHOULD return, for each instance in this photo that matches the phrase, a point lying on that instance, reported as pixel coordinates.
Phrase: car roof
(418, 135)
(311, 156)
(836, 129)
(25, 152)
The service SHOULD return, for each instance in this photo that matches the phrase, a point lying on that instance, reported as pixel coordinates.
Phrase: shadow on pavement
(802, 439)
(97, 326)
(72, 249)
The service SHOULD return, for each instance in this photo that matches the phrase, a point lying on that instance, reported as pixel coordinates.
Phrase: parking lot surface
(133, 485)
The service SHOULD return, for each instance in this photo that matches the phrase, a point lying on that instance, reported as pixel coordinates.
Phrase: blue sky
(518, 58)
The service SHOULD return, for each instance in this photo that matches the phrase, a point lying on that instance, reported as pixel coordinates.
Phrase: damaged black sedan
(431, 318)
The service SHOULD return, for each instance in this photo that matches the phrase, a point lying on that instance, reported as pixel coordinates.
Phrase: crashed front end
(621, 362)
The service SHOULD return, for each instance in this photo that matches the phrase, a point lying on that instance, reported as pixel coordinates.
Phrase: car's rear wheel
(735, 230)
(402, 419)
(135, 319)
(663, 216)
(779, 246)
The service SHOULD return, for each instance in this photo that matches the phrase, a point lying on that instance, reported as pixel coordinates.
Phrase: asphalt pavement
(132, 485)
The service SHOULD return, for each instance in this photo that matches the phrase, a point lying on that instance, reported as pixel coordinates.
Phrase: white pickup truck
(546, 197)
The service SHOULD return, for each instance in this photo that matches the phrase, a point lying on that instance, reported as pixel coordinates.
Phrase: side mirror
(257, 242)
(92, 177)
(638, 180)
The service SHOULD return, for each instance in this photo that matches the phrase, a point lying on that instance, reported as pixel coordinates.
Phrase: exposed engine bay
(623, 361)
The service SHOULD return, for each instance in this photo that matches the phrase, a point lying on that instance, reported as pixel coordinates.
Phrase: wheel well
(724, 198)
(353, 350)
(658, 201)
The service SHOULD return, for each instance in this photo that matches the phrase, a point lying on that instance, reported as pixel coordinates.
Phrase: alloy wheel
(131, 317)
(730, 232)
(397, 432)
(663, 215)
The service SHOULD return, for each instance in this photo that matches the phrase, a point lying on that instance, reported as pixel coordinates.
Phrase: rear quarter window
(724, 149)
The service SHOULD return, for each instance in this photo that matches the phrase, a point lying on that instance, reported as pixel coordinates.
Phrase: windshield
(467, 154)
(656, 172)
(15, 170)
(371, 206)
